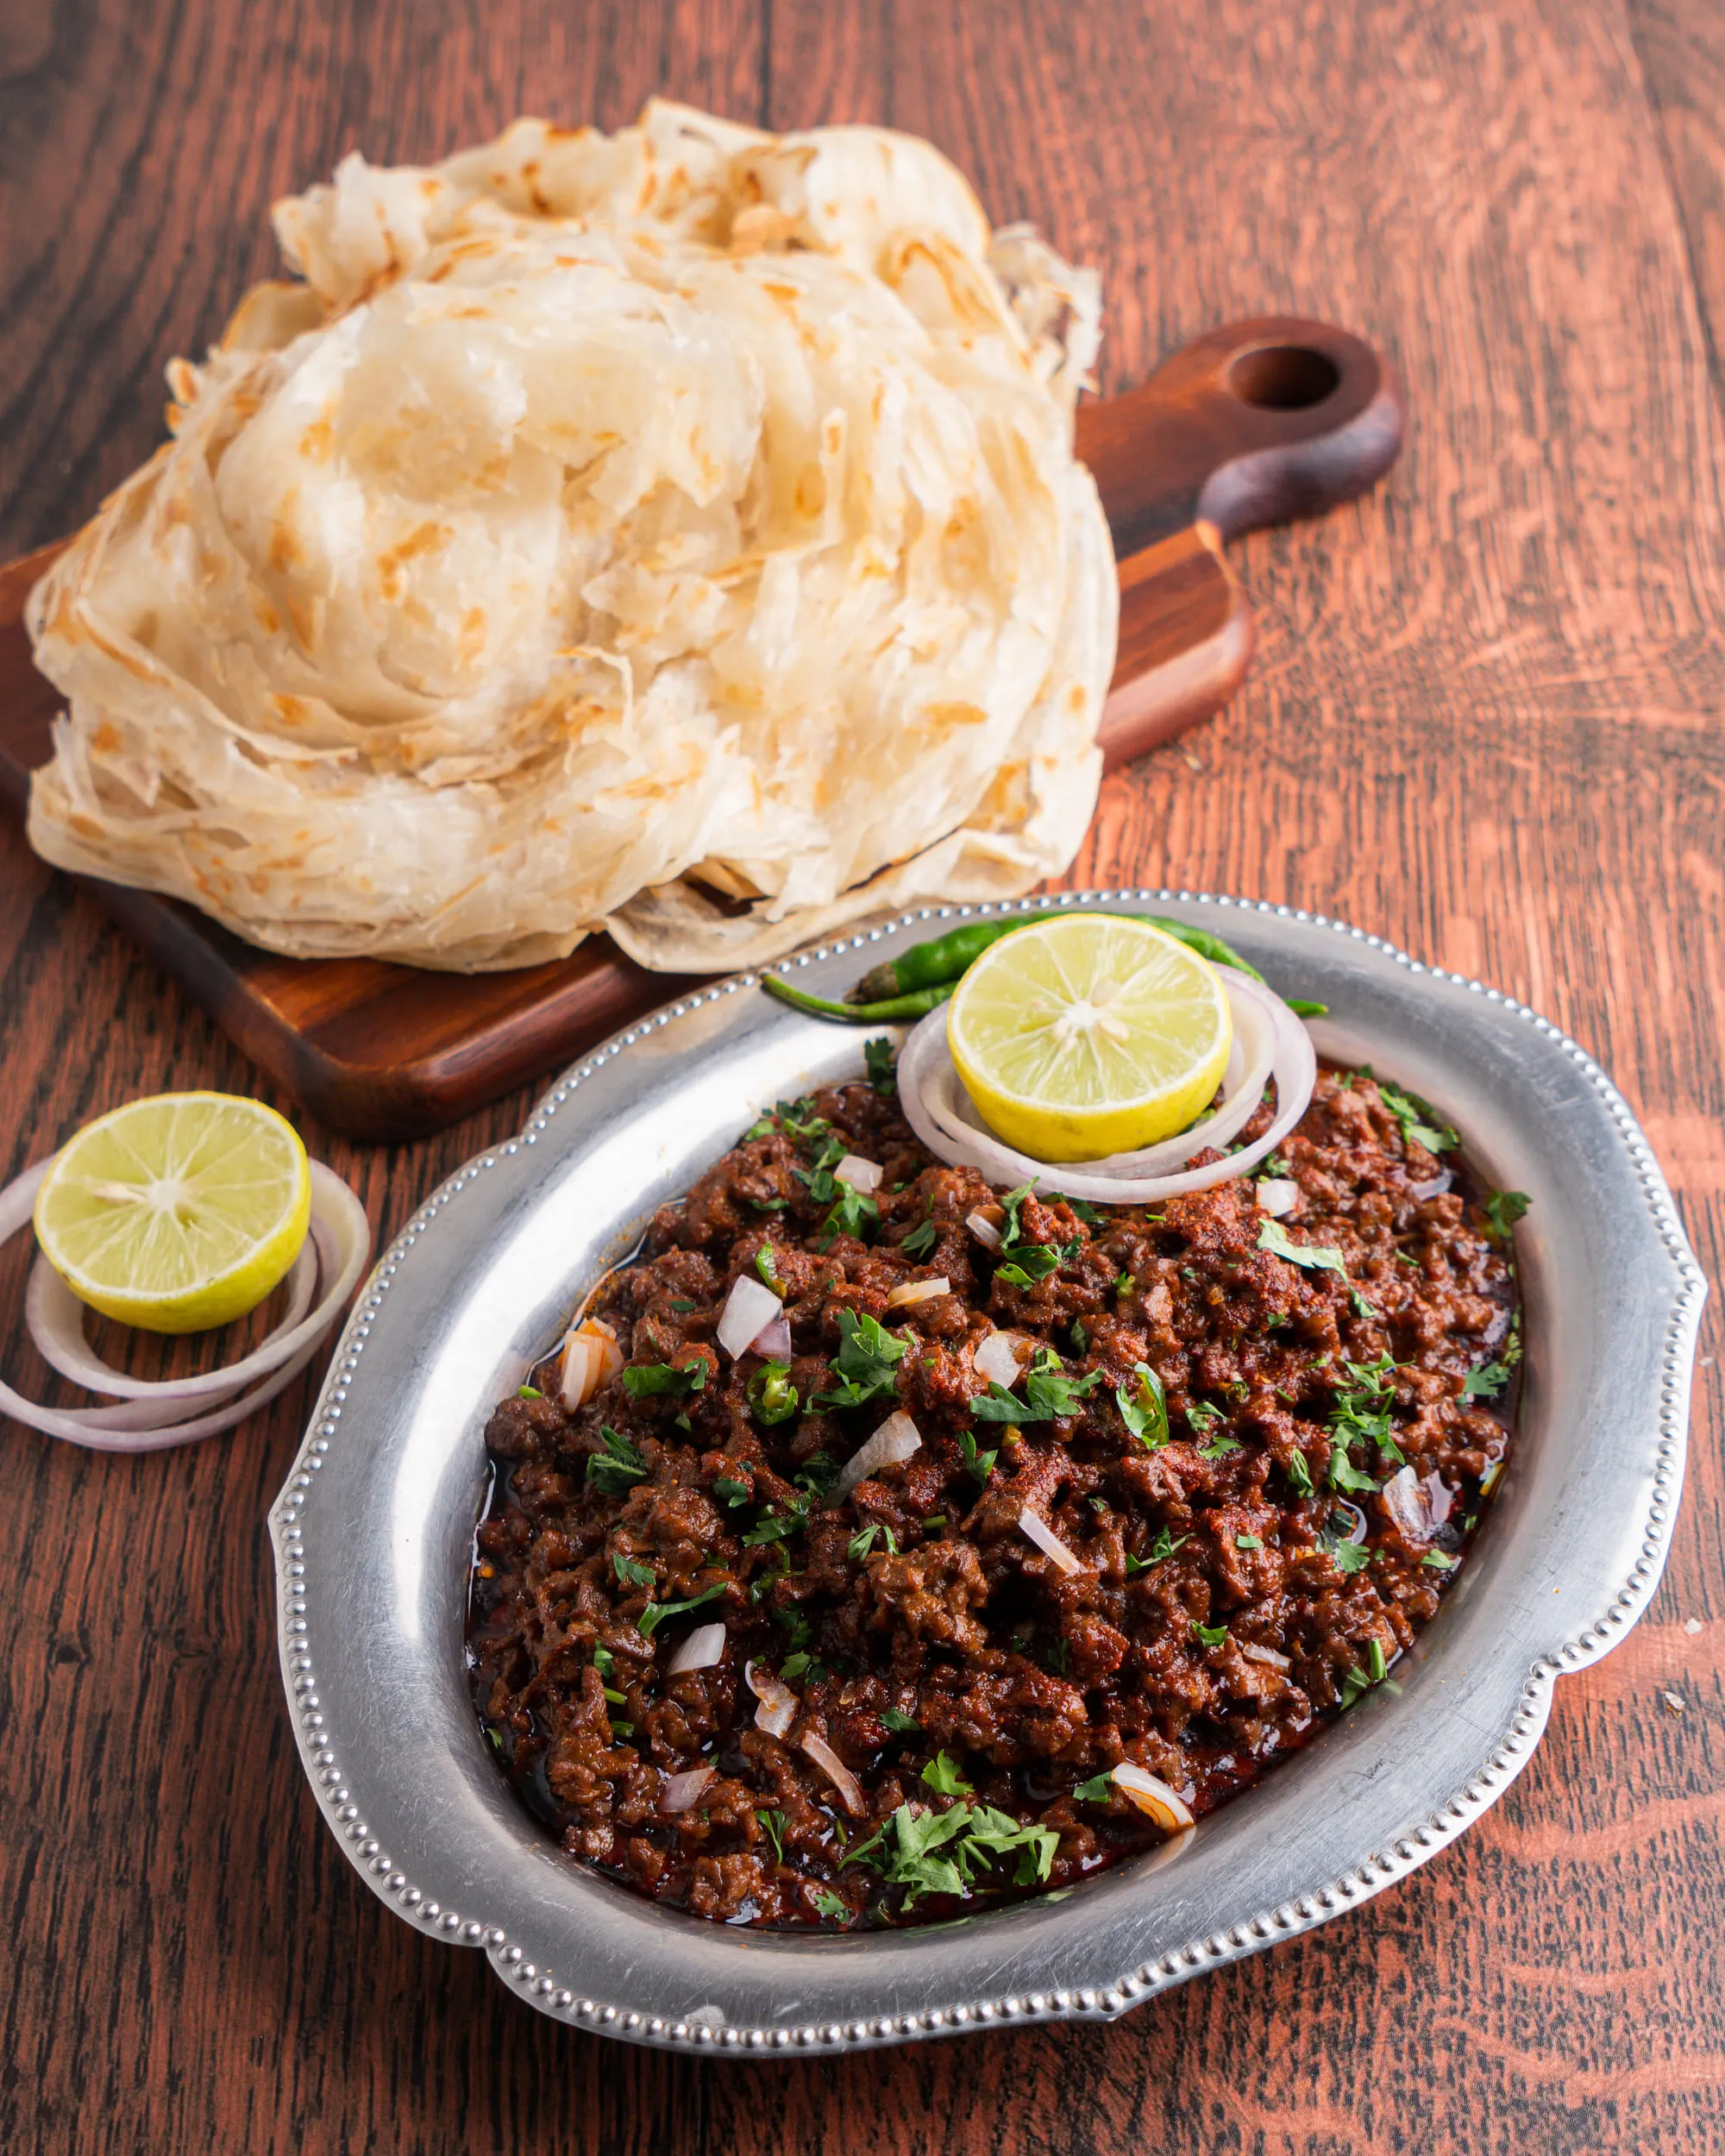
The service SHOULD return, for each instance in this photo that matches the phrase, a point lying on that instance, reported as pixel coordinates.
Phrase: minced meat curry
(1253, 1445)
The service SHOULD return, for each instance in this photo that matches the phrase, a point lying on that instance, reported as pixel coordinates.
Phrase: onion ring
(151, 1416)
(1277, 1046)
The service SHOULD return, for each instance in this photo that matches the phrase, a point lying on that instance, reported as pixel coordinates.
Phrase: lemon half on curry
(176, 1213)
(1087, 1035)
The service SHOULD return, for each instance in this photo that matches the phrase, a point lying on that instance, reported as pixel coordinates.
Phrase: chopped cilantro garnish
(852, 1212)
(1144, 1407)
(775, 1526)
(618, 1467)
(646, 1379)
(1438, 1561)
(799, 1119)
(864, 1540)
(941, 1852)
(894, 1719)
(921, 1240)
(682, 1308)
(793, 1665)
(1218, 1448)
(1486, 1383)
(864, 1364)
(877, 1058)
(656, 1613)
(1047, 1393)
(1417, 1119)
(528, 1392)
(1201, 1413)
(1082, 1210)
(1504, 1208)
(629, 1573)
(1348, 1558)
(1248, 1542)
(1033, 1262)
(980, 1465)
(826, 1903)
(1164, 1547)
(942, 1775)
(1011, 1202)
(1313, 1257)
(1344, 1475)
(1097, 1791)
(1361, 1412)
(1212, 1635)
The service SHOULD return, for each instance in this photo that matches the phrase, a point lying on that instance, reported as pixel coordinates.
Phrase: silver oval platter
(373, 1531)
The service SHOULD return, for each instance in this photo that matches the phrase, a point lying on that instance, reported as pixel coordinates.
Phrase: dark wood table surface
(1484, 721)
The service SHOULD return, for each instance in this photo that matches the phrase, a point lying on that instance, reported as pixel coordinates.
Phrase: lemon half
(176, 1213)
(1085, 1036)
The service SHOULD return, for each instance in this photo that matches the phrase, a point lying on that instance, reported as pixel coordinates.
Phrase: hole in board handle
(1284, 377)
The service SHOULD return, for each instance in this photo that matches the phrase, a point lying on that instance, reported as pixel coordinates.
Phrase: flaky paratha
(675, 531)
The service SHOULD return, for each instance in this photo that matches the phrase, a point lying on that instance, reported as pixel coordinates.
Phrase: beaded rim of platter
(708, 2029)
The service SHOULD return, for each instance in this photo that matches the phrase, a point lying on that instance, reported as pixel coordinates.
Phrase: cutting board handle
(1256, 422)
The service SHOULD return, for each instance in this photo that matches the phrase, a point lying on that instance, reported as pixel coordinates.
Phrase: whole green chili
(897, 1007)
(921, 979)
(925, 965)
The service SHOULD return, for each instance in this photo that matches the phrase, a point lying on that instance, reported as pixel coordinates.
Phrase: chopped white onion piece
(779, 1703)
(750, 1308)
(910, 1291)
(149, 1415)
(682, 1791)
(861, 1175)
(843, 1780)
(1275, 1045)
(1433, 1187)
(773, 1341)
(1044, 1538)
(1408, 1504)
(996, 1359)
(591, 1358)
(979, 1224)
(1438, 1497)
(1276, 1196)
(1163, 1804)
(897, 1437)
(703, 1648)
(1267, 1656)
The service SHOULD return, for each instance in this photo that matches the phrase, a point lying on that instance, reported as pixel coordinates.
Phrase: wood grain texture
(1254, 423)
(1484, 720)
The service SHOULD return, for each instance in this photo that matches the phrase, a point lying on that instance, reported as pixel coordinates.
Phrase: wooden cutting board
(1256, 422)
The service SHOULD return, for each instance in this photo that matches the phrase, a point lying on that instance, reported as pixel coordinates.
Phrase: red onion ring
(151, 1416)
(1277, 1046)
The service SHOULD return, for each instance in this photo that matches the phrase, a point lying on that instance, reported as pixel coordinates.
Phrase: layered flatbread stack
(674, 532)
